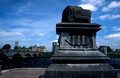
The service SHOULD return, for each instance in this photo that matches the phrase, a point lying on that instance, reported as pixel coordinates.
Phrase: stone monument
(78, 55)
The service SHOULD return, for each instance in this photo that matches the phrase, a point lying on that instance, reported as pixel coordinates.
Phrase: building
(103, 49)
(38, 48)
(54, 47)
(23, 50)
(118, 50)
(16, 43)
(113, 49)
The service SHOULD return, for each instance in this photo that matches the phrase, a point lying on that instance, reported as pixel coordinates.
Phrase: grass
(113, 52)
(113, 55)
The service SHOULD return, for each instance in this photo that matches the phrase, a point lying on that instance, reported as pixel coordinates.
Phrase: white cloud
(38, 25)
(103, 27)
(55, 41)
(24, 8)
(112, 40)
(104, 9)
(20, 30)
(1, 23)
(115, 16)
(93, 2)
(113, 43)
(34, 26)
(57, 37)
(88, 6)
(26, 39)
(108, 16)
(113, 4)
(115, 28)
(23, 22)
(41, 34)
(104, 16)
(4, 33)
(116, 35)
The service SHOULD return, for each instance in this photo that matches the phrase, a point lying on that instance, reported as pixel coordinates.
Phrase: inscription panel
(77, 40)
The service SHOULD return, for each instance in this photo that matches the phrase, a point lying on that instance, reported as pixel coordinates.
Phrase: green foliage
(16, 47)
(108, 48)
(23, 47)
(6, 47)
(113, 55)
(30, 47)
(112, 52)
(47, 54)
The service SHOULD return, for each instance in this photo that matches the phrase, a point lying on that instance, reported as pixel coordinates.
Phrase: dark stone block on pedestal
(76, 14)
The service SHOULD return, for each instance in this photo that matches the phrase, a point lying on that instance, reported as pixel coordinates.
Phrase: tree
(30, 47)
(16, 47)
(23, 47)
(108, 48)
(6, 47)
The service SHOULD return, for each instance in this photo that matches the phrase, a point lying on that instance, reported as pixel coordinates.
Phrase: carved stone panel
(79, 41)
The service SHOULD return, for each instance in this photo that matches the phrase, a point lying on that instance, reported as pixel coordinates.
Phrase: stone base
(80, 71)
(66, 57)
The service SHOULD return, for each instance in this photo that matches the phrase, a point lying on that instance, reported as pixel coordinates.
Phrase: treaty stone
(77, 55)
(76, 14)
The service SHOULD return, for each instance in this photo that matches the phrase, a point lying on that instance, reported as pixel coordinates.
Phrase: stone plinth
(94, 70)
(77, 43)
(78, 55)
(77, 35)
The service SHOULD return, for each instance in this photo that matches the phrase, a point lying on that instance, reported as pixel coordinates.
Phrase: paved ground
(119, 74)
(23, 73)
(26, 73)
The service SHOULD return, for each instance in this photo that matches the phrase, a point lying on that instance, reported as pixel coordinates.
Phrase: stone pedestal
(78, 55)
(93, 70)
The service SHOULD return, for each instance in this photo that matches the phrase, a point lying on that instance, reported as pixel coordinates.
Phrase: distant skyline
(33, 22)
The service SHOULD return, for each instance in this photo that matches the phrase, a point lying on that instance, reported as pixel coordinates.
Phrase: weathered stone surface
(76, 14)
(77, 35)
(78, 55)
(93, 70)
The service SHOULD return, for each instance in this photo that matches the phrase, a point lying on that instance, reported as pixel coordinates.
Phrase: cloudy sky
(33, 22)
